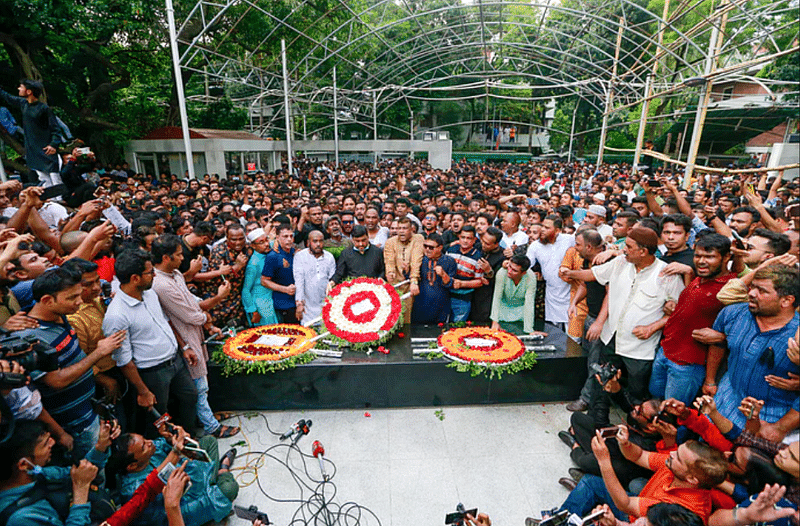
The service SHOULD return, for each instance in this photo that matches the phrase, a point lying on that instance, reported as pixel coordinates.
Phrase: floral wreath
(362, 311)
(266, 348)
(481, 350)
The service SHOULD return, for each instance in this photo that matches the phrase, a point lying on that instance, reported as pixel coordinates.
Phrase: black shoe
(577, 405)
(567, 438)
(576, 474)
(227, 459)
(567, 483)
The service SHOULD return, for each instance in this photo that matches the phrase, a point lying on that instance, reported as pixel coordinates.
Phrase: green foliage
(220, 114)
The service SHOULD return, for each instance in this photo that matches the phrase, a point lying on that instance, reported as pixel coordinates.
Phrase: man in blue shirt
(469, 276)
(278, 276)
(67, 391)
(757, 335)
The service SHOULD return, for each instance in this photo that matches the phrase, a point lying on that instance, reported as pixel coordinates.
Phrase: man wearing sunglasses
(757, 335)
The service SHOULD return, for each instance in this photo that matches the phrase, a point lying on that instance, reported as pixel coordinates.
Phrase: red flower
(441, 324)
(401, 335)
(469, 323)
(383, 350)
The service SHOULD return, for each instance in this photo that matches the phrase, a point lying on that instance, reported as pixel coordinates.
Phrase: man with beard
(637, 294)
(348, 222)
(313, 268)
(336, 241)
(402, 258)
(310, 219)
(679, 368)
(149, 357)
(232, 254)
(744, 220)
(757, 335)
(549, 251)
(377, 234)
(450, 236)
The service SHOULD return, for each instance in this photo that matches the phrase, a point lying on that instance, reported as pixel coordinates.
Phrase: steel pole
(642, 121)
(287, 108)
(173, 44)
(335, 121)
(610, 94)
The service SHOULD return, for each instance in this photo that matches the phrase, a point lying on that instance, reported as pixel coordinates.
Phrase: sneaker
(577, 405)
(530, 521)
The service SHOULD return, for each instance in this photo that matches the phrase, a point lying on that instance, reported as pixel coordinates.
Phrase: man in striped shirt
(469, 276)
(67, 391)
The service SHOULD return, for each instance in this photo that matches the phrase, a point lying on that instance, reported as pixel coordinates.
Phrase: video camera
(459, 516)
(29, 352)
(605, 371)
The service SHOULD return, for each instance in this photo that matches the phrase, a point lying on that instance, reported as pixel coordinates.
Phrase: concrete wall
(213, 151)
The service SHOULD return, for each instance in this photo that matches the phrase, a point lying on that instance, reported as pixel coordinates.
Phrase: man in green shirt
(514, 295)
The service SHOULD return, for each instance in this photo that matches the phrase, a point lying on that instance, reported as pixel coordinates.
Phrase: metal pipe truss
(411, 51)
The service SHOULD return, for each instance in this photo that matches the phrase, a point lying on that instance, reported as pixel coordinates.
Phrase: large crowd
(684, 297)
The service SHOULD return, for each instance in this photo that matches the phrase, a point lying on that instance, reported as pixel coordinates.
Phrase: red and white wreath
(362, 311)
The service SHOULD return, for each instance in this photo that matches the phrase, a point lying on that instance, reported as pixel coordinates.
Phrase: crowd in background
(674, 290)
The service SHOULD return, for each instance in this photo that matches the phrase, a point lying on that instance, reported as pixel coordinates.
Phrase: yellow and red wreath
(270, 343)
(481, 345)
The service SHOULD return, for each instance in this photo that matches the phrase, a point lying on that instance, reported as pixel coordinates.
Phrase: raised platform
(400, 379)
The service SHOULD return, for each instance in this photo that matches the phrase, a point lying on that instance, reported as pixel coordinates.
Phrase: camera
(668, 418)
(29, 352)
(459, 516)
(605, 371)
(251, 514)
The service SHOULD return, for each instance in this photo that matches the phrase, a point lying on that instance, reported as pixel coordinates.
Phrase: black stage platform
(400, 379)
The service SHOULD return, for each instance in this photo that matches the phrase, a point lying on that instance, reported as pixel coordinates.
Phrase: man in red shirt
(684, 476)
(680, 365)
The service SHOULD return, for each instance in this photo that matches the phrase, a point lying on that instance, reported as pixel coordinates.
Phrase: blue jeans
(204, 412)
(590, 492)
(460, 308)
(670, 380)
(84, 441)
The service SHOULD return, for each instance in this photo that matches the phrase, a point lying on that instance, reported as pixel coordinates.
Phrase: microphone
(319, 452)
(304, 426)
(292, 430)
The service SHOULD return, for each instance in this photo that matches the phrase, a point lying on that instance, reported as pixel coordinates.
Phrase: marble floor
(404, 466)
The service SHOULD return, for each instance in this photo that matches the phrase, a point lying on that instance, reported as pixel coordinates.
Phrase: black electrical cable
(316, 505)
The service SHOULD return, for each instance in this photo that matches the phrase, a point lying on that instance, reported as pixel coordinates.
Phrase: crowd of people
(675, 291)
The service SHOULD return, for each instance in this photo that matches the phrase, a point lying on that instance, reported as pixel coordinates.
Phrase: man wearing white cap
(596, 216)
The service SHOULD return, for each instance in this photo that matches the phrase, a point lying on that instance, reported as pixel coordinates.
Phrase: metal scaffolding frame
(391, 52)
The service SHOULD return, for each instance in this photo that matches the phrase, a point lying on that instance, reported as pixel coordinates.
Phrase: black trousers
(172, 379)
(583, 429)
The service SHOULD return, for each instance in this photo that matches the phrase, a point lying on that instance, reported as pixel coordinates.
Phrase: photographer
(213, 487)
(652, 434)
(33, 493)
(67, 391)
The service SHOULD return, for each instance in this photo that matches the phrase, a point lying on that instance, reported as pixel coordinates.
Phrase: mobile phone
(84, 151)
(165, 473)
(737, 239)
(608, 432)
(456, 516)
(654, 183)
(592, 518)
(195, 453)
(750, 188)
(555, 520)
(668, 418)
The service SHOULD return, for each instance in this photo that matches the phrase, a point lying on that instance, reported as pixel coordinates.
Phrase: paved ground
(407, 466)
